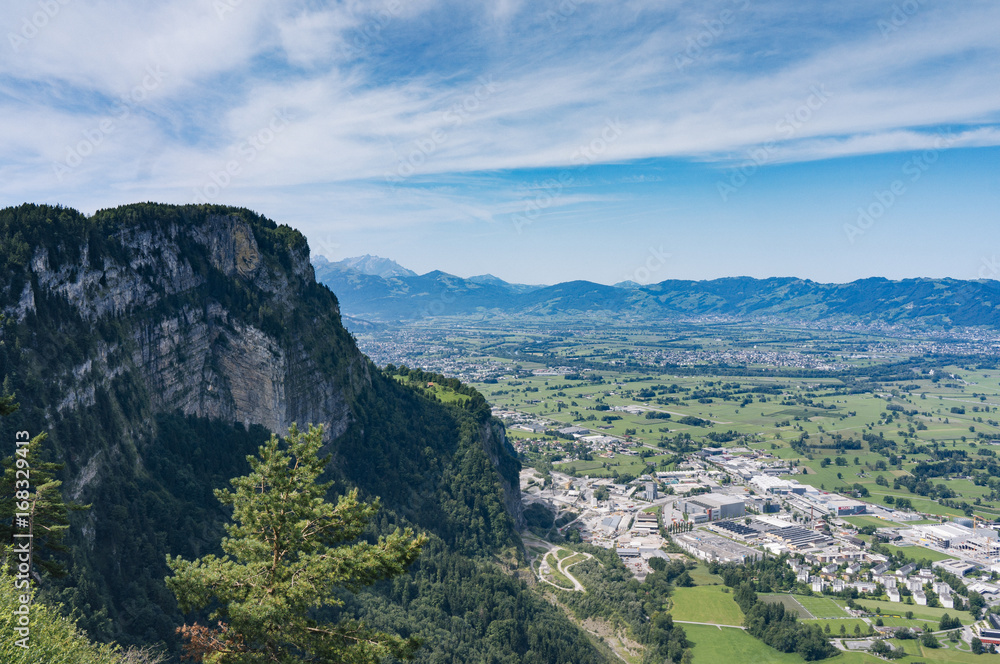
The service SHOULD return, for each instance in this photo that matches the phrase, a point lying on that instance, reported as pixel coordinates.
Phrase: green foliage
(286, 555)
(52, 638)
(768, 621)
(613, 594)
(32, 489)
(947, 622)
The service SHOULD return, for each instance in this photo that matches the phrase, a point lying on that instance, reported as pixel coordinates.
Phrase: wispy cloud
(370, 85)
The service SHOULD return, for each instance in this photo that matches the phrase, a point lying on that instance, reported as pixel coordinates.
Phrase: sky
(539, 141)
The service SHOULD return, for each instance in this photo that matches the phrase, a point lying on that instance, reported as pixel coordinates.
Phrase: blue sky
(538, 141)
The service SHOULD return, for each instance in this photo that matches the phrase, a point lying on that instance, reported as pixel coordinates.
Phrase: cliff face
(200, 360)
(149, 341)
(495, 444)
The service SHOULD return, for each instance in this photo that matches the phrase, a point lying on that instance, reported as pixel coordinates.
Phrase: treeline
(768, 621)
(476, 403)
(614, 595)
(467, 610)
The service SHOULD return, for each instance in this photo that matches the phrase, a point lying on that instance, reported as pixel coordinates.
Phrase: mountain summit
(375, 266)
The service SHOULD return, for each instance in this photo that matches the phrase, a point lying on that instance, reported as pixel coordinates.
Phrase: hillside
(159, 345)
(932, 302)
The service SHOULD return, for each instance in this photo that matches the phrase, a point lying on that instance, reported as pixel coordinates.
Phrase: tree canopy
(287, 554)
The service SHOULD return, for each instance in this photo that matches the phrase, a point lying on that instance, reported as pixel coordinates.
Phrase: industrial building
(715, 506)
(992, 635)
(774, 485)
(955, 535)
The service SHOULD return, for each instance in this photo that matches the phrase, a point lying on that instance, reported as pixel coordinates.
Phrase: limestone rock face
(494, 438)
(210, 314)
(200, 360)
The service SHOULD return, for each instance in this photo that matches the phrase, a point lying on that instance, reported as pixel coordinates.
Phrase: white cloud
(361, 110)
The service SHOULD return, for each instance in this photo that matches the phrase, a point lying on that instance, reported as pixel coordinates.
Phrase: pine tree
(287, 553)
(34, 487)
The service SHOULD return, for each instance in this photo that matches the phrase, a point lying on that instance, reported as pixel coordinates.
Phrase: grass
(713, 645)
(555, 576)
(702, 577)
(821, 607)
(706, 604)
(791, 604)
(848, 624)
(920, 553)
(920, 612)
(861, 521)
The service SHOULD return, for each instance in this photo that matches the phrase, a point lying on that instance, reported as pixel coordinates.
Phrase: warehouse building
(715, 506)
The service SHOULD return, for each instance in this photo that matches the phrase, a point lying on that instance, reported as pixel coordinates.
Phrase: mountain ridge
(921, 300)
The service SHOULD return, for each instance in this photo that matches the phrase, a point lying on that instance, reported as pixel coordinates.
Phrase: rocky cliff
(158, 344)
(199, 358)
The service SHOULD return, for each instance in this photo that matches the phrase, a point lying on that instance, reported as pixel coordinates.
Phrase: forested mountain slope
(159, 345)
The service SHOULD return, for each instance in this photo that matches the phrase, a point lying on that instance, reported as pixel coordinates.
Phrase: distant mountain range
(364, 292)
(368, 264)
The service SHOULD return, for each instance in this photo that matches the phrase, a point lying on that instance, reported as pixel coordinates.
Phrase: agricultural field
(920, 553)
(702, 577)
(713, 645)
(707, 604)
(791, 603)
(827, 427)
(861, 412)
(821, 607)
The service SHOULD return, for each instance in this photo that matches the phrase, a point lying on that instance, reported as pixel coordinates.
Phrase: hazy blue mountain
(367, 264)
(926, 301)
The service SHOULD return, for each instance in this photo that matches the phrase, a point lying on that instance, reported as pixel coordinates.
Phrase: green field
(713, 645)
(791, 603)
(920, 553)
(848, 624)
(920, 612)
(706, 604)
(861, 521)
(821, 607)
(702, 577)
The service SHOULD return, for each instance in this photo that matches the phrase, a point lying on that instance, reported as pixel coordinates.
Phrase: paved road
(565, 570)
(551, 548)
